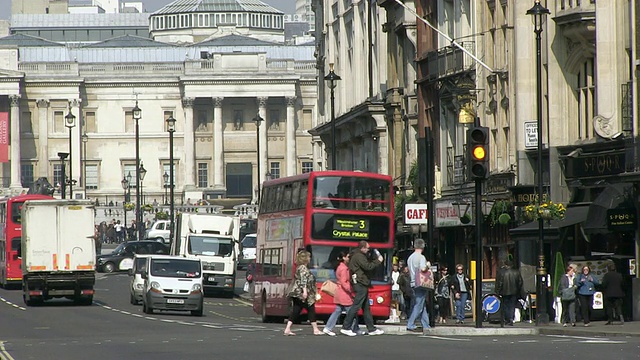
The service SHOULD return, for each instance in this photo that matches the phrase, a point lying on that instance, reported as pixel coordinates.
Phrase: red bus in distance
(323, 212)
(10, 237)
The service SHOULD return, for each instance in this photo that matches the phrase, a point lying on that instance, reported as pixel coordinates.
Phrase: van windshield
(210, 246)
(249, 241)
(177, 268)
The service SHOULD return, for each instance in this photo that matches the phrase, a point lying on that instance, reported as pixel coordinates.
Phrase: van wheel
(147, 309)
(108, 267)
(133, 299)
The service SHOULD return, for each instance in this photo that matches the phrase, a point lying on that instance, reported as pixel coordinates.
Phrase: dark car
(121, 259)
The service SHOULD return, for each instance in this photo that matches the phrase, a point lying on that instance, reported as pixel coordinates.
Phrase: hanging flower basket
(504, 219)
(546, 211)
(129, 206)
(465, 219)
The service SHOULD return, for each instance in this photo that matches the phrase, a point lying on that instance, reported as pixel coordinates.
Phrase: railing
(450, 60)
(52, 68)
(149, 68)
(117, 212)
(577, 4)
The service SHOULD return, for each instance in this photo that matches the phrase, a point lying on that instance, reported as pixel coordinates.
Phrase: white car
(160, 230)
(248, 250)
(137, 282)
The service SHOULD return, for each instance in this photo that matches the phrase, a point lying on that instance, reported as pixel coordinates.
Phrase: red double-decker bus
(323, 212)
(10, 237)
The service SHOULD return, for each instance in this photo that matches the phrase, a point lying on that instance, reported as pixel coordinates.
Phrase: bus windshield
(324, 263)
(351, 193)
(16, 214)
(210, 246)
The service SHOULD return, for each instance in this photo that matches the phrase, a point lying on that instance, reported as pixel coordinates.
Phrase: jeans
(333, 318)
(509, 303)
(460, 303)
(397, 296)
(568, 311)
(419, 310)
(361, 301)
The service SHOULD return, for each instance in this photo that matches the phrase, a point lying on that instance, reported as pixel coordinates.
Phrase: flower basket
(504, 219)
(465, 219)
(500, 213)
(162, 215)
(129, 206)
(546, 211)
(147, 208)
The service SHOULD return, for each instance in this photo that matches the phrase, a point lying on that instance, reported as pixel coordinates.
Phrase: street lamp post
(125, 187)
(258, 120)
(63, 176)
(171, 128)
(83, 182)
(137, 115)
(539, 14)
(142, 171)
(332, 78)
(165, 177)
(70, 122)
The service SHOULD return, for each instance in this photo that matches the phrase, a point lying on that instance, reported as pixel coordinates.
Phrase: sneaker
(328, 332)
(347, 332)
(376, 332)
(414, 330)
(361, 332)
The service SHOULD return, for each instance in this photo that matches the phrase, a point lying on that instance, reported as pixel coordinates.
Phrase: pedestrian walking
(509, 287)
(613, 294)
(343, 297)
(360, 266)
(461, 288)
(404, 281)
(443, 295)
(586, 288)
(396, 293)
(568, 287)
(302, 294)
(417, 264)
(119, 231)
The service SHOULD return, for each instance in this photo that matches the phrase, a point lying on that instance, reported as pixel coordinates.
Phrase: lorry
(212, 238)
(58, 251)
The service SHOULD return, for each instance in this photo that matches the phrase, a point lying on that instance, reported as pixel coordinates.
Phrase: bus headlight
(379, 299)
(318, 297)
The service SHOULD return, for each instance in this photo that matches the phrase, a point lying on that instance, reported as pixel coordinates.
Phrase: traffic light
(477, 153)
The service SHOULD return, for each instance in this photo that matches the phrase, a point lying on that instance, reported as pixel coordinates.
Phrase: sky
(286, 6)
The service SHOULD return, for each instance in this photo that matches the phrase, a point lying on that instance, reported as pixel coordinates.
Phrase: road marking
(243, 302)
(12, 304)
(603, 341)
(444, 338)
(576, 337)
(4, 354)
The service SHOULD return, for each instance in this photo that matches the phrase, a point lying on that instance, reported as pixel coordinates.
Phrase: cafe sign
(621, 220)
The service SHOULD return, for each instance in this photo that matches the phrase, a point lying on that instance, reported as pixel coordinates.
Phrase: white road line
(12, 304)
(604, 341)
(444, 338)
(576, 337)
(4, 354)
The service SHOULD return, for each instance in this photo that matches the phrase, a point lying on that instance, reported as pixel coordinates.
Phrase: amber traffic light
(477, 153)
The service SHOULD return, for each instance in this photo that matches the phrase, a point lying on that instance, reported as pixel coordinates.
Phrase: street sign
(491, 304)
(530, 134)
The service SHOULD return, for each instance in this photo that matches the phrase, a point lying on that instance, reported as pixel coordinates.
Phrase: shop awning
(614, 196)
(573, 215)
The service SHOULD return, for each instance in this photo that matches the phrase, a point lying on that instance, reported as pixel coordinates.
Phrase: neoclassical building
(216, 89)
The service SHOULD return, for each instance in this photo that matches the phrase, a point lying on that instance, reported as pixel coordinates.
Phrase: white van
(173, 283)
(160, 230)
(248, 250)
(136, 286)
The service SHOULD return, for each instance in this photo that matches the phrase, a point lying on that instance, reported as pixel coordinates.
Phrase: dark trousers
(613, 306)
(585, 307)
(509, 302)
(361, 301)
(296, 308)
(444, 308)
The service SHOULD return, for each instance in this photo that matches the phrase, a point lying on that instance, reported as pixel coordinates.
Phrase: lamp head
(129, 177)
(124, 183)
(539, 14)
(332, 78)
(258, 119)
(70, 119)
(165, 177)
(137, 112)
(85, 138)
(63, 155)
(171, 124)
(142, 171)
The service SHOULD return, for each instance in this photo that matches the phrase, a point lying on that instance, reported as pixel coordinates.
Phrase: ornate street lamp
(125, 187)
(539, 14)
(165, 179)
(258, 120)
(171, 128)
(332, 80)
(63, 176)
(137, 115)
(142, 171)
(70, 122)
(85, 140)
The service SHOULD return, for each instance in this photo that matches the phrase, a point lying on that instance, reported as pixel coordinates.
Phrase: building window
(274, 169)
(26, 171)
(239, 180)
(130, 169)
(202, 124)
(166, 169)
(307, 167)
(129, 123)
(306, 120)
(58, 121)
(90, 121)
(238, 119)
(91, 176)
(203, 175)
(586, 96)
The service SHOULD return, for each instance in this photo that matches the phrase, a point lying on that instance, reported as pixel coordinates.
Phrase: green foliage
(399, 202)
(147, 207)
(500, 208)
(558, 273)
(162, 215)
(412, 179)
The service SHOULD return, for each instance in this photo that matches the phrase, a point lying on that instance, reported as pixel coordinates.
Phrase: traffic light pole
(478, 282)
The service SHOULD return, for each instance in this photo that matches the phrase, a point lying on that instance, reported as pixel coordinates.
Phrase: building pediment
(10, 74)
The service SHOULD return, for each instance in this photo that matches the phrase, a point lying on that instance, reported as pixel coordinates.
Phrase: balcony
(450, 60)
(577, 18)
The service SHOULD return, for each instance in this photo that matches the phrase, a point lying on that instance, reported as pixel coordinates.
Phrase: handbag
(329, 287)
(424, 279)
(568, 294)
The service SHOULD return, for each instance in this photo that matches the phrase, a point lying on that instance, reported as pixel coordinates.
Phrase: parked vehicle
(121, 259)
(160, 231)
(173, 283)
(212, 238)
(58, 251)
(136, 287)
(247, 251)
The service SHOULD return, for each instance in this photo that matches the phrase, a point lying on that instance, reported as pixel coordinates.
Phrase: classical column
(218, 144)
(262, 111)
(189, 144)
(291, 136)
(16, 184)
(43, 138)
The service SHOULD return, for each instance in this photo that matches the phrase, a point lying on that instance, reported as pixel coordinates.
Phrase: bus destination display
(350, 228)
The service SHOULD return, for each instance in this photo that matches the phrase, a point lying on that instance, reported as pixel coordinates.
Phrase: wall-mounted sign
(595, 165)
(527, 194)
(530, 134)
(621, 219)
(416, 214)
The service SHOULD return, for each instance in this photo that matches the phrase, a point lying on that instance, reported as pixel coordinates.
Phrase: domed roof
(190, 6)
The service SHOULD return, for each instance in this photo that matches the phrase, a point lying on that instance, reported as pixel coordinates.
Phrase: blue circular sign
(491, 304)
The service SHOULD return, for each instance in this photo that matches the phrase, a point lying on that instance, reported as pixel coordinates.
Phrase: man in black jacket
(509, 287)
(360, 266)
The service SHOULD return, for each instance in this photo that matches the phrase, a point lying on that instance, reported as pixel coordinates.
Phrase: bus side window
(295, 196)
(304, 188)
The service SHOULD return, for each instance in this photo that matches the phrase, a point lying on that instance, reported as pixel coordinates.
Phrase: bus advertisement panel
(10, 237)
(325, 213)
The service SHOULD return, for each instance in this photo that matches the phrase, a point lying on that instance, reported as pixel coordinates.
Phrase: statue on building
(42, 187)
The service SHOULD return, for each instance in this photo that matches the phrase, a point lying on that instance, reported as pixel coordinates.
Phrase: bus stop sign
(491, 304)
